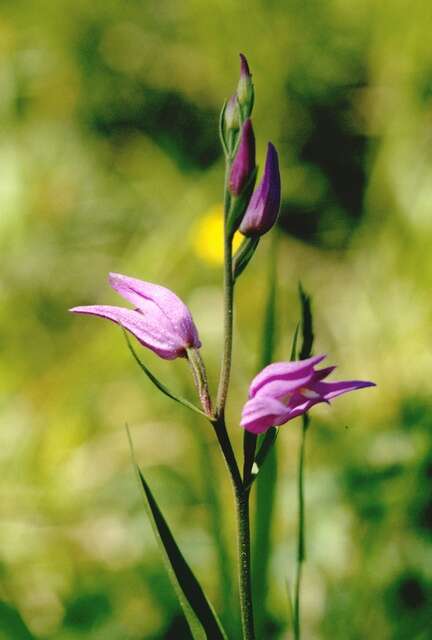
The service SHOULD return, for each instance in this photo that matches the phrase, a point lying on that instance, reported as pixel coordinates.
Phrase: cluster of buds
(253, 212)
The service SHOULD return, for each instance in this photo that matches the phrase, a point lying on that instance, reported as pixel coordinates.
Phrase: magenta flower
(284, 390)
(263, 208)
(159, 320)
(244, 161)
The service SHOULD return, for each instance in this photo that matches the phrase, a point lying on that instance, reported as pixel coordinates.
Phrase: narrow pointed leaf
(249, 448)
(244, 255)
(160, 384)
(306, 324)
(293, 355)
(199, 613)
(267, 442)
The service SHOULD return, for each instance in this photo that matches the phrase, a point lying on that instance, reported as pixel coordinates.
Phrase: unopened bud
(245, 89)
(244, 161)
(232, 114)
(264, 204)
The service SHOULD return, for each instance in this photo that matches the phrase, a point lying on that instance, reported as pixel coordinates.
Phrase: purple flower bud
(284, 390)
(264, 204)
(159, 320)
(244, 87)
(244, 161)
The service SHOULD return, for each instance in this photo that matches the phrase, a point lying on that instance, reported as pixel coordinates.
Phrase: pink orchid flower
(159, 320)
(284, 390)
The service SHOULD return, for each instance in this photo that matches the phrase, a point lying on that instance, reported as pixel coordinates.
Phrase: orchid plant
(282, 391)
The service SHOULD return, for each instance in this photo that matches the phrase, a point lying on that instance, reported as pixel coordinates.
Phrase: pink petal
(329, 390)
(259, 414)
(278, 388)
(284, 371)
(323, 373)
(149, 297)
(153, 331)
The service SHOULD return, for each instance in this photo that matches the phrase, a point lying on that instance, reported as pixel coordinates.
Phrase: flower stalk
(244, 552)
(200, 379)
(243, 163)
(228, 301)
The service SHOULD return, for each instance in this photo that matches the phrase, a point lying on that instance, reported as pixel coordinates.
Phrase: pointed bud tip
(272, 160)
(244, 66)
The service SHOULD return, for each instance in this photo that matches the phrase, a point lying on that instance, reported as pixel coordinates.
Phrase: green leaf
(158, 383)
(244, 255)
(199, 613)
(266, 444)
(293, 355)
(249, 448)
(306, 324)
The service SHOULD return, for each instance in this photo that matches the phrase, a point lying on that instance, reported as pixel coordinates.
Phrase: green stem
(241, 494)
(301, 530)
(228, 328)
(244, 551)
(200, 379)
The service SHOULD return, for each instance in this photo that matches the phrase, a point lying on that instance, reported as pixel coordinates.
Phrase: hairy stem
(228, 315)
(245, 581)
(241, 494)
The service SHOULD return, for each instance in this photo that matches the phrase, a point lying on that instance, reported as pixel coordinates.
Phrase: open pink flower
(284, 390)
(159, 320)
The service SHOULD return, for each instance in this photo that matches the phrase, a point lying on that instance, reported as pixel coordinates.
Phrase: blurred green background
(110, 161)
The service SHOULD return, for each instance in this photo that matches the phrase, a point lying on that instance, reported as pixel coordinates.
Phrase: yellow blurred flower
(207, 236)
